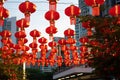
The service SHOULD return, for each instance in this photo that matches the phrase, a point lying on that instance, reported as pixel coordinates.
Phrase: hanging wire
(38, 2)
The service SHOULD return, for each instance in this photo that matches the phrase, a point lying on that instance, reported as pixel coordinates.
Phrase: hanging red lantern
(6, 41)
(4, 13)
(95, 6)
(83, 48)
(62, 41)
(22, 23)
(72, 11)
(27, 8)
(6, 33)
(20, 34)
(52, 4)
(73, 48)
(35, 33)
(51, 30)
(83, 40)
(33, 45)
(70, 41)
(59, 60)
(52, 16)
(69, 32)
(24, 40)
(52, 44)
(42, 40)
(115, 11)
(25, 48)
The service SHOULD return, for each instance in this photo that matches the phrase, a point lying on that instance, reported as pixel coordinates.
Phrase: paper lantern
(95, 4)
(69, 32)
(6, 33)
(72, 11)
(4, 13)
(22, 23)
(52, 16)
(20, 34)
(33, 45)
(42, 40)
(27, 8)
(51, 30)
(115, 11)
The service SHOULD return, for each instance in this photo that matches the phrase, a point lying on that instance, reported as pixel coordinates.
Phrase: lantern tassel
(27, 16)
(72, 20)
(95, 10)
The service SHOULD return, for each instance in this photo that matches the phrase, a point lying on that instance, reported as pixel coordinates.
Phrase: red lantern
(95, 6)
(52, 4)
(4, 13)
(25, 48)
(6, 41)
(52, 44)
(27, 8)
(35, 33)
(69, 32)
(71, 41)
(83, 40)
(52, 16)
(83, 48)
(62, 41)
(72, 11)
(33, 45)
(6, 33)
(51, 30)
(24, 40)
(115, 11)
(20, 34)
(42, 40)
(22, 23)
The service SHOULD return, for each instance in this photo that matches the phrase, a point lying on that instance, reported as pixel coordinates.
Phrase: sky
(37, 20)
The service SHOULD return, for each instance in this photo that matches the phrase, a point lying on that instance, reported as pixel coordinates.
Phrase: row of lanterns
(66, 45)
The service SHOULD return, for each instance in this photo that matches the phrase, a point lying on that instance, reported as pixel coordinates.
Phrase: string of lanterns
(65, 45)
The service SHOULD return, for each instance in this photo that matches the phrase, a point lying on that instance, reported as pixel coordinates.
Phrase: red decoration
(20, 34)
(52, 4)
(62, 41)
(72, 11)
(52, 16)
(95, 6)
(83, 48)
(42, 40)
(22, 23)
(84, 40)
(115, 11)
(51, 30)
(70, 41)
(33, 45)
(52, 44)
(69, 32)
(4, 13)
(6, 33)
(27, 8)
(35, 33)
